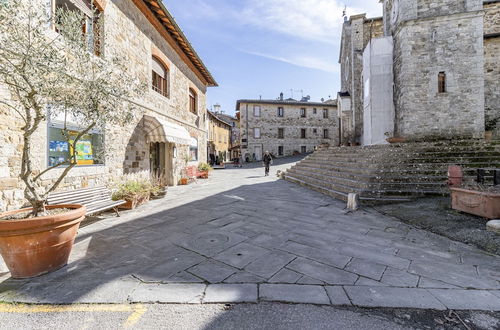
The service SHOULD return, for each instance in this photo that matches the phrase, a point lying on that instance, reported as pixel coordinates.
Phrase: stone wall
(452, 44)
(492, 66)
(131, 35)
(356, 33)
(292, 123)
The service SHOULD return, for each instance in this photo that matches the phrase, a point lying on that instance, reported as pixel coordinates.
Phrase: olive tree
(51, 61)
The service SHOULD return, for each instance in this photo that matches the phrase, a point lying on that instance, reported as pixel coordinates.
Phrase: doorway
(257, 150)
(157, 159)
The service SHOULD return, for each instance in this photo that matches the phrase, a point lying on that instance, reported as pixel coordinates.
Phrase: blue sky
(259, 48)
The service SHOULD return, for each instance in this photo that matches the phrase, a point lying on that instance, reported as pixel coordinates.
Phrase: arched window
(193, 101)
(160, 78)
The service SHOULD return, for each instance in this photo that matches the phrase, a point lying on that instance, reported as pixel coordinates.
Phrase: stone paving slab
(231, 293)
(366, 296)
(467, 299)
(242, 231)
(168, 293)
(293, 293)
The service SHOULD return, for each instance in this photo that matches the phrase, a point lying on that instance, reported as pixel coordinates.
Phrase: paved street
(243, 237)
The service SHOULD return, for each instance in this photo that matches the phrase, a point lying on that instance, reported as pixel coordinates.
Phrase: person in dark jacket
(267, 160)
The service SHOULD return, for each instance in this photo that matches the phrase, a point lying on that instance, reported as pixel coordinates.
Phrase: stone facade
(130, 29)
(445, 68)
(219, 138)
(268, 125)
(432, 38)
(356, 33)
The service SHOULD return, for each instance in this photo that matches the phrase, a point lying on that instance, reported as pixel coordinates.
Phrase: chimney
(281, 96)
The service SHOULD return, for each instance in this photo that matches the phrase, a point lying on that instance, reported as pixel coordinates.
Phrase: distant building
(286, 127)
(219, 139)
(235, 132)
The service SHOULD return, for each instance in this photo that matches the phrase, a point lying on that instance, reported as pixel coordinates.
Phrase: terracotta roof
(210, 113)
(165, 18)
(288, 102)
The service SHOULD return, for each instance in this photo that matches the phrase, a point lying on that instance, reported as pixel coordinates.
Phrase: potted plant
(42, 67)
(394, 139)
(135, 192)
(477, 199)
(205, 169)
(159, 183)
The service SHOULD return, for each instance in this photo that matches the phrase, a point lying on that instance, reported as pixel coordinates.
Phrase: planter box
(483, 204)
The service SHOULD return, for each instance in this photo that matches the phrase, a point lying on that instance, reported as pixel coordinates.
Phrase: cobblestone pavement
(243, 237)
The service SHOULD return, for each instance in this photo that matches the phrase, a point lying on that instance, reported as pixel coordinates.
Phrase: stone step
(375, 185)
(395, 171)
(370, 192)
(373, 164)
(383, 178)
(428, 157)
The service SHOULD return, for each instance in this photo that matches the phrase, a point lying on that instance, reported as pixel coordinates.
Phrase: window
(89, 148)
(91, 25)
(314, 111)
(325, 113)
(256, 133)
(193, 102)
(281, 133)
(325, 134)
(193, 150)
(281, 112)
(302, 133)
(442, 82)
(280, 150)
(302, 112)
(315, 130)
(256, 110)
(303, 149)
(160, 78)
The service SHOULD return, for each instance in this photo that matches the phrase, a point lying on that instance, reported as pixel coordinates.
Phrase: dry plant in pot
(135, 189)
(51, 74)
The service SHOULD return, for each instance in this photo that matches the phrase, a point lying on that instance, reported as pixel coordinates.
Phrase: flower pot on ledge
(483, 204)
(34, 246)
(395, 139)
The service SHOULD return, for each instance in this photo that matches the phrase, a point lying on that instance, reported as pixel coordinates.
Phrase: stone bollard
(493, 225)
(352, 201)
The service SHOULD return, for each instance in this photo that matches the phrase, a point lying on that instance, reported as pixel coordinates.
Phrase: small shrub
(204, 167)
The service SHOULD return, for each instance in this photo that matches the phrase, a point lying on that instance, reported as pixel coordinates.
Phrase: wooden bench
(95, 199)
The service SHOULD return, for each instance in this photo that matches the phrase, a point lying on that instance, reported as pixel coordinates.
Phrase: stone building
(285, 127)
(235, 132)
(219, 138)
(169, 129)
(437, 62)
(356, 33)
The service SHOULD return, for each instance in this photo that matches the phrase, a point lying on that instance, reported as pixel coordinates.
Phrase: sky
(259, 48)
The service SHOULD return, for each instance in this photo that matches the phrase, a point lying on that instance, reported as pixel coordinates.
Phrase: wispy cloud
(300, 60)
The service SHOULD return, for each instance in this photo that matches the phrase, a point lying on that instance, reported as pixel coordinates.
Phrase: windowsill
(442, 94)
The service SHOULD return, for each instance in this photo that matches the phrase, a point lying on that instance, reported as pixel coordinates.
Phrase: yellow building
(219, 139)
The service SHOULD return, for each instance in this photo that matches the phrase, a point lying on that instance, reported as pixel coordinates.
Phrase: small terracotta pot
(35, 246)
(396, 139)
(183, 181)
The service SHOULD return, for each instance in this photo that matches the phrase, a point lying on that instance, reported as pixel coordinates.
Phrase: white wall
(378, 117)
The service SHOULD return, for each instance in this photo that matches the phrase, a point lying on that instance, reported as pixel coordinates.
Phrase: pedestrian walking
(268, 161)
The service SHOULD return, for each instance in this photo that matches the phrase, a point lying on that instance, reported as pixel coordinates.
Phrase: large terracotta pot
(32, 247)
(483, 204)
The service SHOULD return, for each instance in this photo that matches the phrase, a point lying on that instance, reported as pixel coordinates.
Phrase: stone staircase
(394, 172)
